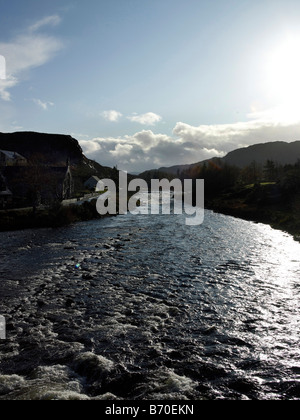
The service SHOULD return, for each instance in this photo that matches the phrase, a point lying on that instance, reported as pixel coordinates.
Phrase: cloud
(2, 68)
(145, 119)
(150, 118)
(227, 137)
(53, 20)
(5, 85)
(141, 151)
(43, 105)
(112, 115)
(26, 52)
(188, 144)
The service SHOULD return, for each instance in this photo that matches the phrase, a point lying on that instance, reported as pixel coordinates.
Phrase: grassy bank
(55, 216)
(263, 203)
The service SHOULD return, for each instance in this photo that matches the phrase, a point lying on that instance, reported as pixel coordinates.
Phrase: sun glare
(283, 78)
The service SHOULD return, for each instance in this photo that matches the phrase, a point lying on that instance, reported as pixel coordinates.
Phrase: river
(145, 307)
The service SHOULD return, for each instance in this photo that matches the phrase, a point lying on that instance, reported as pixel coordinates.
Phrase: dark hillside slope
(55, 148)
(278, 152)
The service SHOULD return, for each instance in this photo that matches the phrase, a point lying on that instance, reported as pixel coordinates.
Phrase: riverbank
(54, 216)
(261, 203)
(58, 215)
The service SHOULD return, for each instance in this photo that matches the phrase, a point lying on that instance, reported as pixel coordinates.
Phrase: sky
(148, 83)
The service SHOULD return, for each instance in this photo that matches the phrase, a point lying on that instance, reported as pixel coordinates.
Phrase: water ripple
(144, 307)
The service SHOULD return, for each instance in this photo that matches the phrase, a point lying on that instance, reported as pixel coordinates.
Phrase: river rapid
(143, 307)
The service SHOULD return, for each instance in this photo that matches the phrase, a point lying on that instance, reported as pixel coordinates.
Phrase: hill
(37, 173)
(259, 183)
(53, 151)
(280, 153)
(55, 148)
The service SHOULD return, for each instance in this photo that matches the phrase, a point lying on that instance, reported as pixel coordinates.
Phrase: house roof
(11, 155)
(92, 180)
(6, 193)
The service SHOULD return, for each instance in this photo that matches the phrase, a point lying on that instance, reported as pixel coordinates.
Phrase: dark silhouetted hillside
(279, 152)
(54, 151)
(55, 148)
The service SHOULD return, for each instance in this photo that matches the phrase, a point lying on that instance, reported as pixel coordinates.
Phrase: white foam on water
(2, 328)
(93, 360)
(168, 385)
(9, 383)
(106, 397)
(45, 383)
(57, 373)
(63, 396)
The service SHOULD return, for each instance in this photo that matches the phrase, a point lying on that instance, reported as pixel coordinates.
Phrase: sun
(282, 77)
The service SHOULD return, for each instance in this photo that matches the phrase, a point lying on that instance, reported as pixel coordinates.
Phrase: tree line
(220, 176)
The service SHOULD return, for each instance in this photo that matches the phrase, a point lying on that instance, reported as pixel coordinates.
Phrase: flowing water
(145, 307)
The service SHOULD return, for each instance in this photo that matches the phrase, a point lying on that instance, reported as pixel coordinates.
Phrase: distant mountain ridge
(279, 152)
